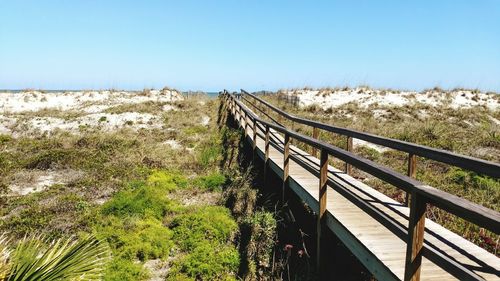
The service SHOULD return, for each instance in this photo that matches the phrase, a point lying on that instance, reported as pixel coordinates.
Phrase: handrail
(466, 162)
(421, 194)
(486, 217)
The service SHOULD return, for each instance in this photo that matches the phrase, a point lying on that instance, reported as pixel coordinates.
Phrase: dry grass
(473, 131)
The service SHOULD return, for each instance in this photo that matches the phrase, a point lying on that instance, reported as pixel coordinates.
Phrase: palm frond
(62, 259)
(4, 257)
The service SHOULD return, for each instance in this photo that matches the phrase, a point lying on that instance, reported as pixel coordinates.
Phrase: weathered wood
(348, 167)
(286, 166)
(323, 179)
(416, 230)
(362, 224)
(477, 214)
(466, 162)
(266, 154)
(254, 143)
(411, 172)
(246, 124)
(315, 136)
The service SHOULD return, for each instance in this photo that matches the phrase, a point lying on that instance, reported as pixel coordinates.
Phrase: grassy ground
(156, 203)
(472, 131)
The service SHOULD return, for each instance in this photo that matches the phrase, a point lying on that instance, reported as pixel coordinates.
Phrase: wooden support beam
(286, 166)
(266, 154)
(246, 125)
(416, 230)
(254, 140)
(412, 173)
(316, 136)
(348, 167)
(323, 179)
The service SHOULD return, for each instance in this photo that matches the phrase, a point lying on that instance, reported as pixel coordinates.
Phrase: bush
(167, 180)
(214, 181)
(212, 223)
(149, 198)
(124, 270)
(262, 226)
(47, 159)
(209, 155)
(207, 262)
(144, 201)
(134, 238)
(5, 139)
(206, 235)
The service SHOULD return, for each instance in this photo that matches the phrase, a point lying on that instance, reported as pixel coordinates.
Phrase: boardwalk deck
(375, 245)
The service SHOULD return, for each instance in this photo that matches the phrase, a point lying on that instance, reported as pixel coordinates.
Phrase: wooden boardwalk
(378, 247)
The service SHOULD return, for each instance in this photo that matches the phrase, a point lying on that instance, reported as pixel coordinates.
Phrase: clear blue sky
(210, 45)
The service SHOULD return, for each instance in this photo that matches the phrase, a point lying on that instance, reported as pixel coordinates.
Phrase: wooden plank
(266, 154)
(412, 172)
(470, 163)
(315, 136)
(286, 166)
(380, 250)
(348, 167)
(323, 179)
(416, 230)
(254, 140)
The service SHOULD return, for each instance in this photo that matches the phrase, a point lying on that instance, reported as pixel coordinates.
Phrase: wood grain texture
(372, 225)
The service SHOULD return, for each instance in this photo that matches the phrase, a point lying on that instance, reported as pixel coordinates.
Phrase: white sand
(174, 144)
(90, 105)
(378, 148)
(365, 97)
(205, 120)
(94, 101)
(29, 181)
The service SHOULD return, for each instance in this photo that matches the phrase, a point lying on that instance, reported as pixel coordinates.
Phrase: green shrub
(146, 200)
(212, 223)
(134, 238)
(209, 155)
(205, 234)
(194, 130)
(214, 181)
(167, 180)
(124, 270)
(262, 226)
(206, 262)
(5, 139)
(46, 159)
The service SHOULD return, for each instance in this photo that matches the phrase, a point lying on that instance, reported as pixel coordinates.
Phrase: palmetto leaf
(4, 257)
(35, 258)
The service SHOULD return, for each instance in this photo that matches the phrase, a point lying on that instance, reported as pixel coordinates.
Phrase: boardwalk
(382, 248)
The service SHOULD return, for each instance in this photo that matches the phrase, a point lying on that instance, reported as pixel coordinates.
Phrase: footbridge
(393, 240)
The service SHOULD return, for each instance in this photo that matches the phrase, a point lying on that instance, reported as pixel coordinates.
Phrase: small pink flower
(288, 247)
(300, 253)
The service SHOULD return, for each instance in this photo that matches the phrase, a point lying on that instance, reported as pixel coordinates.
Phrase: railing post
(412, 173)
(254, 142)
(323, 176)
(246, 124)
(348, 167)
(286, 165)
(416, 230)
(266, 154)
(315, 136)
(238, 113)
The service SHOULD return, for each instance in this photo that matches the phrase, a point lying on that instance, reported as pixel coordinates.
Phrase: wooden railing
(421, 194)
(469, 163)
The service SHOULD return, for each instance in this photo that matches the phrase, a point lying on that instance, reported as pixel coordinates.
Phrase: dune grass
(469, 131)
(127, 193)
